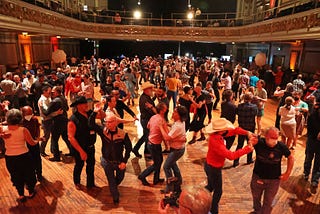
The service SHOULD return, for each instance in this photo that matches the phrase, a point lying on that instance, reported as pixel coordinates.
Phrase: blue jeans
(114, 179)
(214, 185)
(171, 163)
(173, 95)
(269, 189)
(156, 154)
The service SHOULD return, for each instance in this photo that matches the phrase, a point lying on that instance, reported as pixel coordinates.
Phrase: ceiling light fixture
(137, 14)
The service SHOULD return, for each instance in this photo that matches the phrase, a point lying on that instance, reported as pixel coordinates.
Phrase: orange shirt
(172, 84)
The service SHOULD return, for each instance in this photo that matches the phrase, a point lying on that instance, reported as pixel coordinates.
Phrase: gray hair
(14, 117)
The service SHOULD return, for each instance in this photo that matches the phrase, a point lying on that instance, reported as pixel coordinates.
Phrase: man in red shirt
(217, 153)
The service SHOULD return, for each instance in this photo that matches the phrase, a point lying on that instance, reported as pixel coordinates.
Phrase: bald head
(111, 121)
(195, 200)
(26, 110)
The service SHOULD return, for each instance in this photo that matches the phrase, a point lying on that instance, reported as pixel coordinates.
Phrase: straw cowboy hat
(221, 124)
(146, 85)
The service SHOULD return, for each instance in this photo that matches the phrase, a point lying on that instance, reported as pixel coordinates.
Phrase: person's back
(15, 144)
(246, 115)
(253, 80)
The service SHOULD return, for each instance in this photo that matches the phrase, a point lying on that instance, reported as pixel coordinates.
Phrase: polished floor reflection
(57, 193)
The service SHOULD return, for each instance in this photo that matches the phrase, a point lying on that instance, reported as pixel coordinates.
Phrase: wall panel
(41, 52)
(311, 62)
(9, 55)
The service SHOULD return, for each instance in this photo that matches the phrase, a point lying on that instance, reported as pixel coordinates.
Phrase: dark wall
(86, 48)
(114, 48)
(166, 7)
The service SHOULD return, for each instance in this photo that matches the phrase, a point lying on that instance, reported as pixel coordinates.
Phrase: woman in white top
(288, 122)
(17, 156)
(177, 139)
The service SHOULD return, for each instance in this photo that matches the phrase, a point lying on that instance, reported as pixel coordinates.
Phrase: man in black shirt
(82, 138)
(60, 122)
(121, 107)
(267, 170)
(147, 110)
(114, 141)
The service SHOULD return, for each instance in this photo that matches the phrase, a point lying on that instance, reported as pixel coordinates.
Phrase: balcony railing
(18, 15)
(103, 16)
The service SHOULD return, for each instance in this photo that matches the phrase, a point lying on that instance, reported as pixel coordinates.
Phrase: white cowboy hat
(221, 124)
(146, 85)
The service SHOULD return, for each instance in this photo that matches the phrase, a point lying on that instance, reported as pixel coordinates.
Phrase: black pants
(214, 185)
(21, 172)
(89, 168)
(217, 95)
(312, 154)
(59, 129)
(209, 107)
(36, 159)
(156, 154)
(229, 141)
(144, 138)
(241, 139)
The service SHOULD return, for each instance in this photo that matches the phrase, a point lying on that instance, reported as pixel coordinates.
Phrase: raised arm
(71, 136)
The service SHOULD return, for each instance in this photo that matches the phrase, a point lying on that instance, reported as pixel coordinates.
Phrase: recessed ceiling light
(58, 37)
(25, 33)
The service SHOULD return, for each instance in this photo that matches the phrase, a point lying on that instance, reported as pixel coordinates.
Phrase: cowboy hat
(79, 100)
(146, 85)
(221, 124)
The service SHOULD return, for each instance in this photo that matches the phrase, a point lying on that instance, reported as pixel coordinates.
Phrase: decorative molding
(21, 16)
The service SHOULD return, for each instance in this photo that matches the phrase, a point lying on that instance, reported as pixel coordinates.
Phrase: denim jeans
(156, 154)
(171, 163)
(173, 95)
(114, 179)
(214, 185)
(312, 153)
(269, 189)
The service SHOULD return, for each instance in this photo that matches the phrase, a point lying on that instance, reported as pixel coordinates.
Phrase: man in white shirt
(46, 121)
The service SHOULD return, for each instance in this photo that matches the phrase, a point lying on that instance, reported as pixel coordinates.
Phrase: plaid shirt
(247, 113)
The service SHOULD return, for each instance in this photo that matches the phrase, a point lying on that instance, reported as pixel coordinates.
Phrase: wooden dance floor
(57, 194)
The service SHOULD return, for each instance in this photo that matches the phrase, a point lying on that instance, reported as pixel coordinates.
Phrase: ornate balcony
(21, 16)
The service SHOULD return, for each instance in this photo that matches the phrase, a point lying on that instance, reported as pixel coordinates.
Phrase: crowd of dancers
(37, 93)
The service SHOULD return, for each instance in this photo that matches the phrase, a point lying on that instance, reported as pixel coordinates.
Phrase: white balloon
(260, 59)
